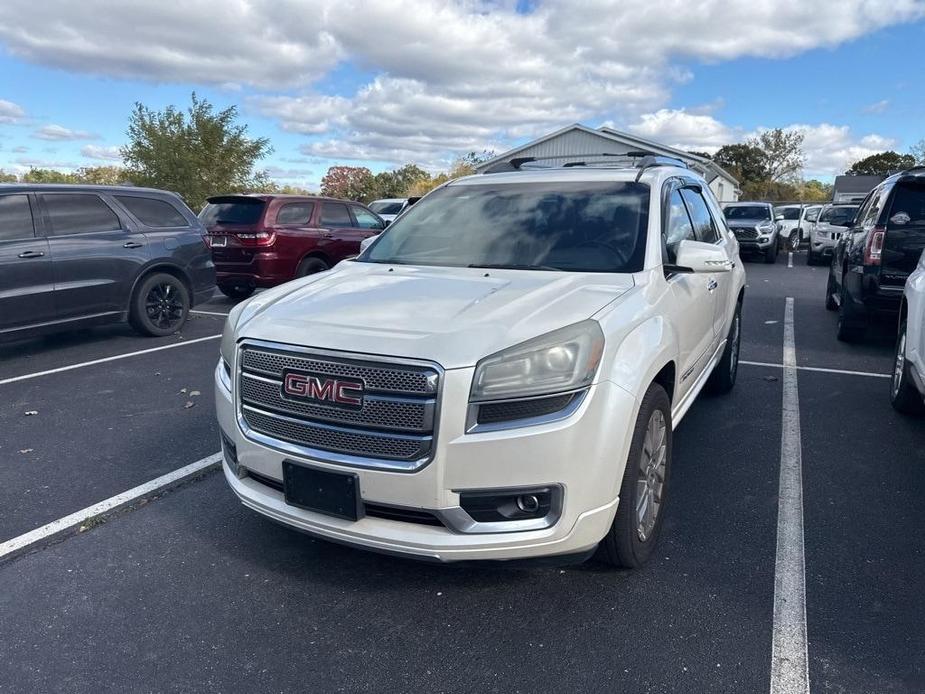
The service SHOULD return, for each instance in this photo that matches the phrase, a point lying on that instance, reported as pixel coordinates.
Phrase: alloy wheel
(899, 367)
(734, 347)
(164, 306)
(650, 481)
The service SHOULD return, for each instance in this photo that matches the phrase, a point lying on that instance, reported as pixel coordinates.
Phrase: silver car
(829, 227)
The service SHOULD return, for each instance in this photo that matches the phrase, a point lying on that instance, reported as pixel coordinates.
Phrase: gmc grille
(394, 428)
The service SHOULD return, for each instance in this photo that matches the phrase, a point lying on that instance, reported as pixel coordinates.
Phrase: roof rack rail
(637, 158)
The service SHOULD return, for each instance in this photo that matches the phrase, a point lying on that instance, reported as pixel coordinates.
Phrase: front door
(96, 254)
(27, 284)
(693, 298)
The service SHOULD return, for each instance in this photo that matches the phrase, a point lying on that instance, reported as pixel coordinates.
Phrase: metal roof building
(576, 140)
(853, 188)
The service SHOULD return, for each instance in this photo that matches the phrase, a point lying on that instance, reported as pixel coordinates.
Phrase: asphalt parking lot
(191, 592)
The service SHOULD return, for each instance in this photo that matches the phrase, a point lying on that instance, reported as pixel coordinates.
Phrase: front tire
(724, 373)
(904, 396)
(811, 258)
(830, 303)
(793, 243)
(236, 291)
(309, 266)
(160, 305)
(634, 534)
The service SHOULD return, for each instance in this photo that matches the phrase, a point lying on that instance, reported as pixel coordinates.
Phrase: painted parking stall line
(71, 523)
(208, 313)
(789, 650)
(818, 369)
(104, 360)
(790, 259)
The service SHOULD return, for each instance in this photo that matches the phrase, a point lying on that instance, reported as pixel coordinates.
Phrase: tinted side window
(335, 214)
(365, 218)
(704, 227)
(908, 205)
(79, 213)
(678, 226)
(870, 211)
(153, 212)
(295, 213)
(15, 218)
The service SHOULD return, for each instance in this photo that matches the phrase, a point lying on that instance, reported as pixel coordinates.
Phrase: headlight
(565, 359)
(766, 227)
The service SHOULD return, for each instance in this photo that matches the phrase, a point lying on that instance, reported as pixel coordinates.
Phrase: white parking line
(819, 369)
(62, 526)
(116, 357)
(207, 313)
(789, 656)
(790, 259)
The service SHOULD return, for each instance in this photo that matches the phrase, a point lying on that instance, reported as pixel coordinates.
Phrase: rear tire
(724, 373)
(904, 396)
(850, 329)
(236, 291)
(634, 534)
(830, 303)
(159, 306)
(309, 266)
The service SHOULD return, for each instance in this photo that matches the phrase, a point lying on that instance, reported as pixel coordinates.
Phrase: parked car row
(75, 255)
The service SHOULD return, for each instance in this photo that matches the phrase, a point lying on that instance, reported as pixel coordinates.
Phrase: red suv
(265, 240)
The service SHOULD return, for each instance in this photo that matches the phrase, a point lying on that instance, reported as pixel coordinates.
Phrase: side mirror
(779, 218)
(696, 256)
(365, 243)
(386, 222)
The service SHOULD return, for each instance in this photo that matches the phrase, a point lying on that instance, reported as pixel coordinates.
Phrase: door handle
(32, 254)
(711, 285)
(132, 244)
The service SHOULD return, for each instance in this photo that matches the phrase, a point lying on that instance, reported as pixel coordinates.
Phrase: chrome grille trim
(745, 232)
(395, 429)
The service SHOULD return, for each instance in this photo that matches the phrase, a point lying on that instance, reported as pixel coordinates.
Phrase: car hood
(745, 222)
(453, 316)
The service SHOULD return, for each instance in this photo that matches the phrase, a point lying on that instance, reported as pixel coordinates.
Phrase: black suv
(83, 255)
(878, 250)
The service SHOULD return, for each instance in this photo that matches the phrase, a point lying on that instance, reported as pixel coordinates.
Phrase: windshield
(747, 212)
(788, 212)
(241, 211)
(839, 216)
(386, 207)
(574, 227)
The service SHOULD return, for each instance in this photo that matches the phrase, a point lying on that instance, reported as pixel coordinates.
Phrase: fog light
(499, 505)
(528, 503)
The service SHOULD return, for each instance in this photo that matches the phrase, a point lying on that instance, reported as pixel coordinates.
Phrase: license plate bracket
(322, 491)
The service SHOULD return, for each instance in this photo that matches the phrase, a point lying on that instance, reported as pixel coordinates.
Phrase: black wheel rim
(164, 306)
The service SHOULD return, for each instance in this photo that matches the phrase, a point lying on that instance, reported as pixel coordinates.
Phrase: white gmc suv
(907, 392)
(498, 375)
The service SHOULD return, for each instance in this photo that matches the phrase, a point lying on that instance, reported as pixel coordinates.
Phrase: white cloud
(26, 163)
(58, 132)
(447, 76)
(101, 152)
(10, 112)
(831, 149)
(685, 129)
(877, 107)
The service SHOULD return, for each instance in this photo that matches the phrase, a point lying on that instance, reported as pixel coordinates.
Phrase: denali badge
(328, 390)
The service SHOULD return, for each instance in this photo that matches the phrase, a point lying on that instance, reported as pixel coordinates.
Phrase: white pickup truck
(498, 376)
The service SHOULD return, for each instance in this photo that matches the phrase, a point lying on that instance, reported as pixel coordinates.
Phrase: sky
(385, 82)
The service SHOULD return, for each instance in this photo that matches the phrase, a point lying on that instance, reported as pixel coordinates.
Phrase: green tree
(103, 175)
(815, 191)
(197, 153)
(782, 152)
(348, 183)
(7, 177)
(918, 152)
(881, 164)
(397, 183)
(49, 176)
(743, 161)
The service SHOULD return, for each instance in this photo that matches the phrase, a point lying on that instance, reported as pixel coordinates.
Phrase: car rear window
(79, 213)
(908, 205)
(573, 227)
(245, 211)
(747, 212)
(153, 212)
(838, 215)
(295, 213)
(386, 207)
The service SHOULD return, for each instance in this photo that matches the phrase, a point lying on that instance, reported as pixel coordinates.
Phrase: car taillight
(260, 238)
(874, 248)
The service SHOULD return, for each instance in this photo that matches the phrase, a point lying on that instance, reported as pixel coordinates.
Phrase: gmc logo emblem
(329, 390)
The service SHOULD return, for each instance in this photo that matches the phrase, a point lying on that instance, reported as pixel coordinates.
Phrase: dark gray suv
(73, 256)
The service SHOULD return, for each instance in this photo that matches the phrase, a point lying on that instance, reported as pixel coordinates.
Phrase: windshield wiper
(513, 266)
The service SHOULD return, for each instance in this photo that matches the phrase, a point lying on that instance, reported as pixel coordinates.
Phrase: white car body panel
(453, 317)
(914, 295)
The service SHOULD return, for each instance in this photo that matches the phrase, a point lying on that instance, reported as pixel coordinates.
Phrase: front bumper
(570, 453)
